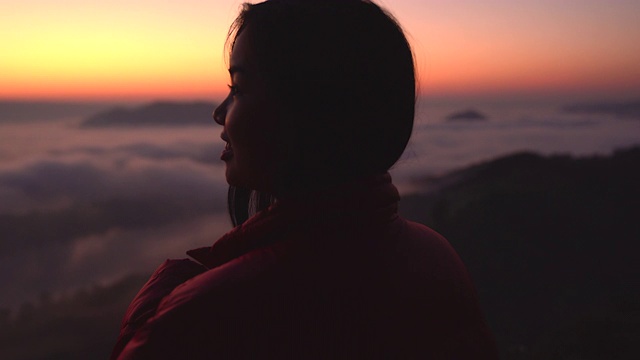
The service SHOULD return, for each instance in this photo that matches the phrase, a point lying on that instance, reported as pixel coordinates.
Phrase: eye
(233, 90)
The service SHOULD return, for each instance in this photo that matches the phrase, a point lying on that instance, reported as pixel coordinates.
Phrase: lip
(227, 152)
(226, 155)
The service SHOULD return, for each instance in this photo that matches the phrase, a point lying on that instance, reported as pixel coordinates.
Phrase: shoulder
(425, 249)
(437, 293)
(210, 308)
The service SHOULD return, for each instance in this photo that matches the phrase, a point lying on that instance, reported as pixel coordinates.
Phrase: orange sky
(135, 50)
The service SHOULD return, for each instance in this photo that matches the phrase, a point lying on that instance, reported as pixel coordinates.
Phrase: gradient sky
(144, 49)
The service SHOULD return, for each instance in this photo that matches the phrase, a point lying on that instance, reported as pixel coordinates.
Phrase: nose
(220, 113)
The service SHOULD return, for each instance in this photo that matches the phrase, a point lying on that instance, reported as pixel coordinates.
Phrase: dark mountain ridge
(623, 109)
(162, 113)
(467, 115)
(552, 245)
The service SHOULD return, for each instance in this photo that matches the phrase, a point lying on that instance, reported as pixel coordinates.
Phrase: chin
(234, 180)
(231, 179)
(260, 181)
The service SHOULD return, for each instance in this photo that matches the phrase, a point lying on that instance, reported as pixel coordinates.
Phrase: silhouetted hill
(25, 111)
(552, 245)
(626, 109)
(467, 115)
(82, 326)
(155, 114)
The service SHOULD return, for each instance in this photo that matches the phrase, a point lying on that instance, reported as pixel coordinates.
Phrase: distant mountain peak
(621, 109)
(160, 113)
(467, 115)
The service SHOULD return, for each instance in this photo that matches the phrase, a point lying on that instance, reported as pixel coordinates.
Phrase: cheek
(255, 138)
(248, 132)
(257, 122)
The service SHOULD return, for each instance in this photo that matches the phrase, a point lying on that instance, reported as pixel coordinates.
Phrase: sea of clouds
(82, 206)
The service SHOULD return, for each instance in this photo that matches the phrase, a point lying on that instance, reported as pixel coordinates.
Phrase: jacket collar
(366, 200)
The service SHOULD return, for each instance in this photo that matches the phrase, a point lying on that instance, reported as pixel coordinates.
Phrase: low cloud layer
(202, 153)
(92, 214)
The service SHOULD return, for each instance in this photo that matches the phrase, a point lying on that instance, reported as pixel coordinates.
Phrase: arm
(210, 316)
(163, 281)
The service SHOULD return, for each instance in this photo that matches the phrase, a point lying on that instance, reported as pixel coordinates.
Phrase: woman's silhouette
(320, 265)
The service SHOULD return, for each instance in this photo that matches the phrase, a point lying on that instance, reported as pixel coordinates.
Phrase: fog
(86, 214)
(84, 207)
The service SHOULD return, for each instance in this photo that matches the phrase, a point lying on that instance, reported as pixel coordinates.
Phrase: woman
(320, 265)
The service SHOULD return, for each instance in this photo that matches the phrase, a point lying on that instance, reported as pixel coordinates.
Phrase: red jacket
(333, 275)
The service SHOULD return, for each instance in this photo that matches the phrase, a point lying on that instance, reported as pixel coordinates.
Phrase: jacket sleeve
(163, 281)
(210, 316)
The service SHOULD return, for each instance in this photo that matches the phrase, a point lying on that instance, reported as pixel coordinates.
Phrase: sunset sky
(146, 49)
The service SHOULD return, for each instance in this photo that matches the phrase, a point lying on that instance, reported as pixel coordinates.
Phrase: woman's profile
(319, 264)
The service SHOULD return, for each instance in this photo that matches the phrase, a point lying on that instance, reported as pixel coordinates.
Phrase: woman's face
(251, 127)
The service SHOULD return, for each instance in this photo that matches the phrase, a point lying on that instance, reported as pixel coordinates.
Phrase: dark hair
(345, 72)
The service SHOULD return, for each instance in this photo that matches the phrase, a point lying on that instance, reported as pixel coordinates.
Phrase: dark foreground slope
(83, 326)
(552, 244)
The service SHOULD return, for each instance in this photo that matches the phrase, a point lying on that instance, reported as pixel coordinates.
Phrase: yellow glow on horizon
(98, 50)
(148, 48)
